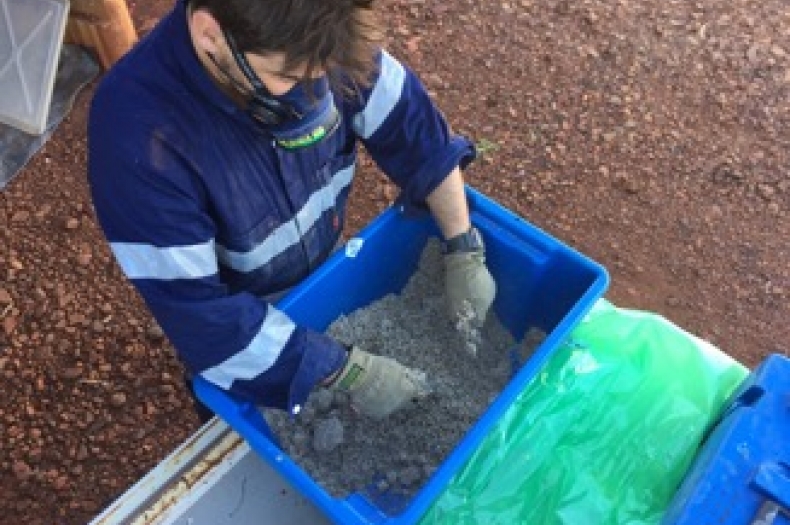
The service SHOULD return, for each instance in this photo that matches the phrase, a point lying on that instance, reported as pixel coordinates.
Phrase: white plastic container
(31, 36)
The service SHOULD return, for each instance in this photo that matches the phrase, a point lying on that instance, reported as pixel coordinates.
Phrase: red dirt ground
(652, 136)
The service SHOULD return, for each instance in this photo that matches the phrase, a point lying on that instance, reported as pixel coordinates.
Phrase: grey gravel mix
(346, 452)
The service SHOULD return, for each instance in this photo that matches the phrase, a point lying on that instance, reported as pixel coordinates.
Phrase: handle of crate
(773, 481)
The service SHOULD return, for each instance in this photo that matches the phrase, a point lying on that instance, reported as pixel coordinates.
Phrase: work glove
(379, 386)
(469, 287)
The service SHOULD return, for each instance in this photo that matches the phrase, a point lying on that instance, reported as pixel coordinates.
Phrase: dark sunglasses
(261, 104)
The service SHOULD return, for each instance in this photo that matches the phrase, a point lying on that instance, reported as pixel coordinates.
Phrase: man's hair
(338, 36)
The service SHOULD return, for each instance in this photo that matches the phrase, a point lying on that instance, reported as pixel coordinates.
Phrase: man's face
(215, 53)
(269, 69)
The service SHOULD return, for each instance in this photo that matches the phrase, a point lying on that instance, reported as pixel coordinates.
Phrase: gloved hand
(468, 286)
(377, 385)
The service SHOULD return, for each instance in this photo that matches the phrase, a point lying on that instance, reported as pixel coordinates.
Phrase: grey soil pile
(346, 452)
(651, 136)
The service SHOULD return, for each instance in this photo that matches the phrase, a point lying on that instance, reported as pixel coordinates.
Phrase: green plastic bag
(603, 435)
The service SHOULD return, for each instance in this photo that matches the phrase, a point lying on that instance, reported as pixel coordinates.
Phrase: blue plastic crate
(741, 476)
(542, 283)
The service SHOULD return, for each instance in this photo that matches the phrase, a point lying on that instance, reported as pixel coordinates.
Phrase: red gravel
(651, 136)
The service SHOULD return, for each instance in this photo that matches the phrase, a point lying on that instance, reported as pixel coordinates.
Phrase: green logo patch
(348, 380)
(305, 140)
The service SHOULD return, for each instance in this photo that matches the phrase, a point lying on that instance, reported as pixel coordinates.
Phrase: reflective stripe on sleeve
(258, 356)
(145, 261)
(385, 95)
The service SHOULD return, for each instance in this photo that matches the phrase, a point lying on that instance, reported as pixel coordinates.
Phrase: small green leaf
(485, 146)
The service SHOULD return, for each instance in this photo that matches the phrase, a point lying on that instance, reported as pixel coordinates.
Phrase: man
(221, 153)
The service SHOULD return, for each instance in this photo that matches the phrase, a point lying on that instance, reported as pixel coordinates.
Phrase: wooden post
(103, 26)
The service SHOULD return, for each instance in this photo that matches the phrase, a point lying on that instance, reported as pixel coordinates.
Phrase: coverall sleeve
(152, 209)
(406, 134)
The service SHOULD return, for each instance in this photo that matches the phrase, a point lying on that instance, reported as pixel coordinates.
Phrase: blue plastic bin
(741, 476)
(542, 283)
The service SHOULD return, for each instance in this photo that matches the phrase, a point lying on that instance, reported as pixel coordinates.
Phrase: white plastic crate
(31, 36)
